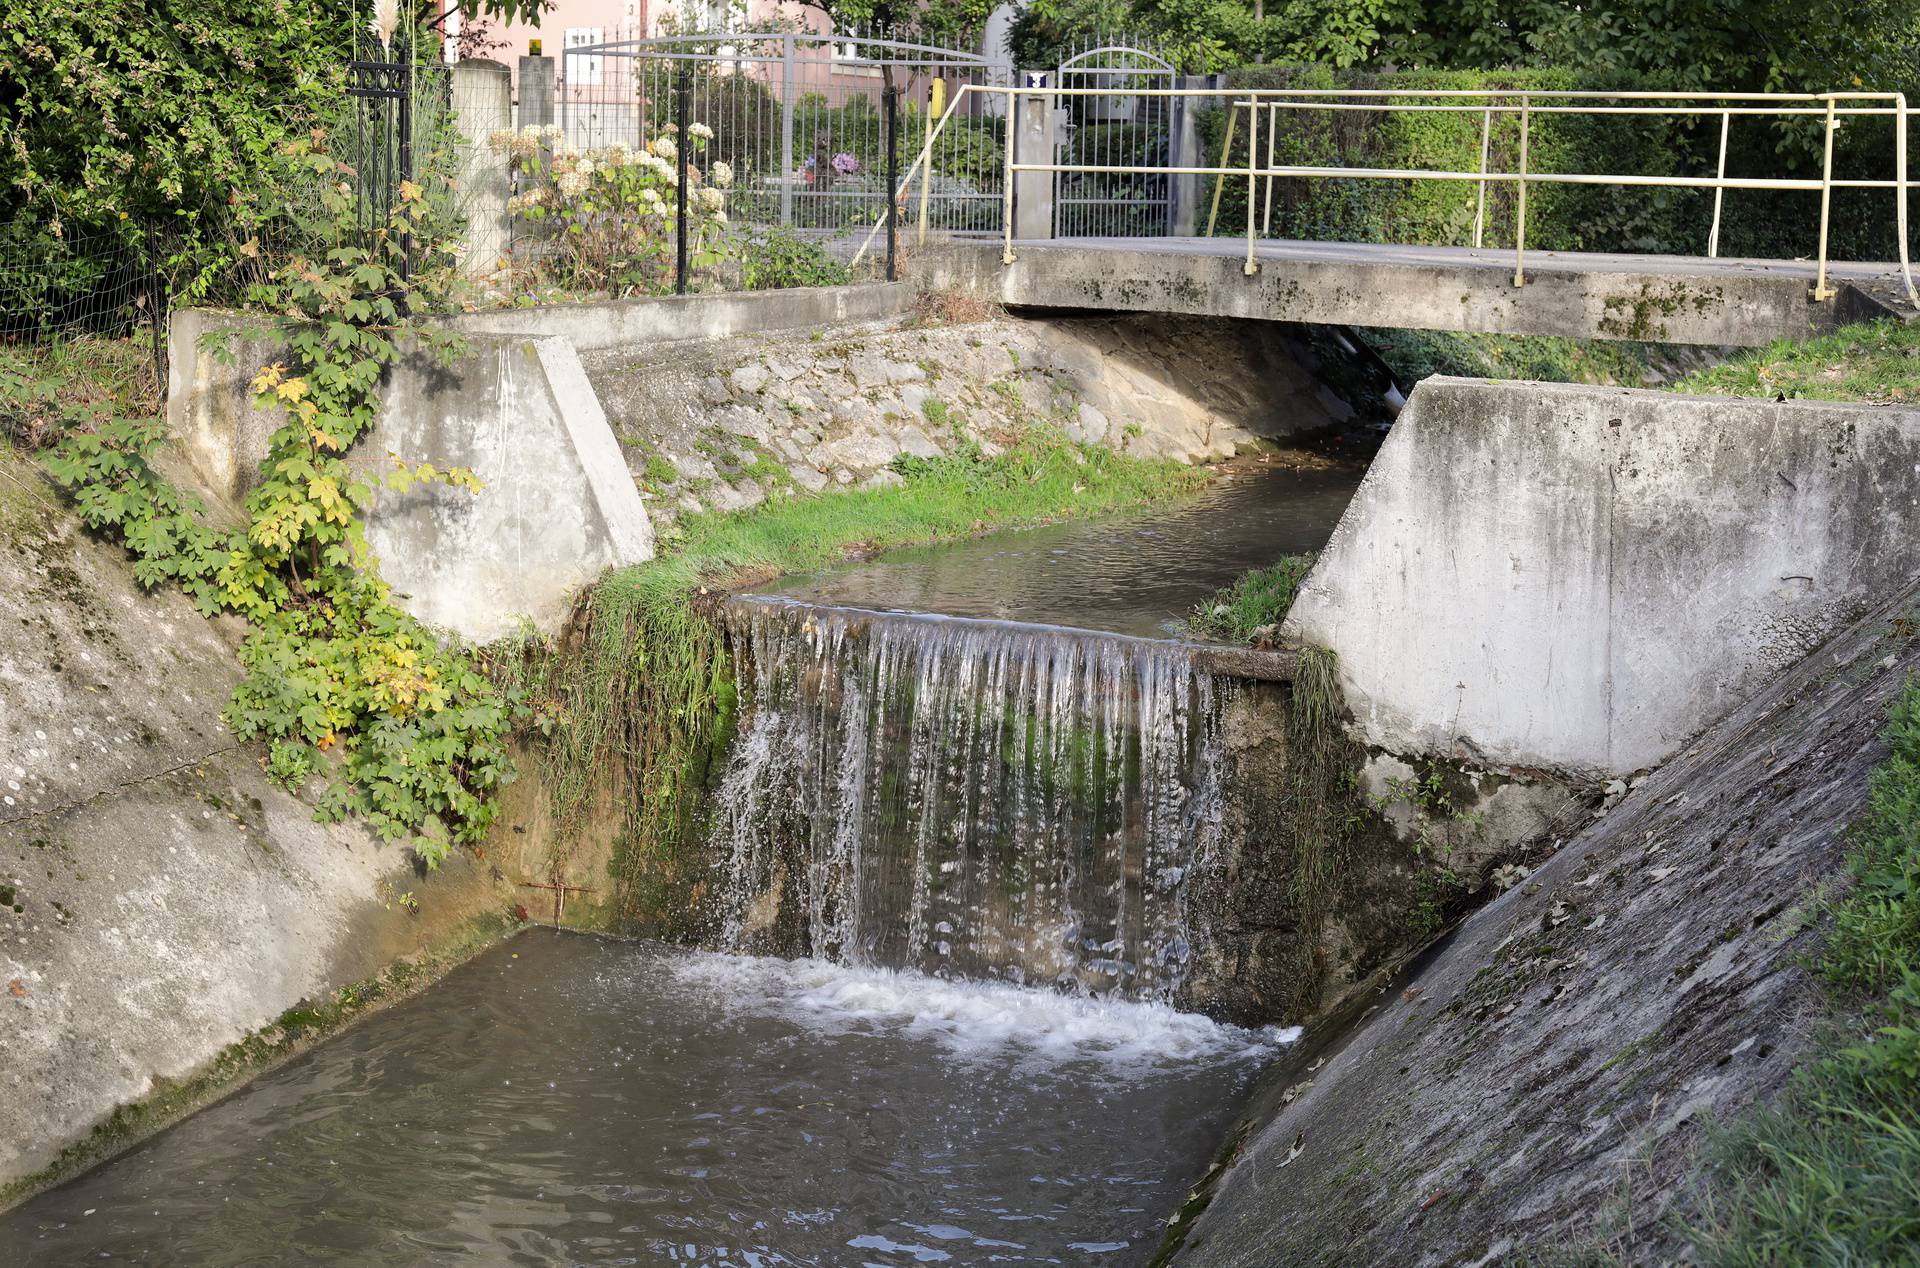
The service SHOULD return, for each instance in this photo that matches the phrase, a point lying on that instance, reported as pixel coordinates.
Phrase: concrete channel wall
(1580, 578)
(556, 505)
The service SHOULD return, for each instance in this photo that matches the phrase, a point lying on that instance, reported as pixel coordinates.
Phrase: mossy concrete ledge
(160, 901)
(1578, 579)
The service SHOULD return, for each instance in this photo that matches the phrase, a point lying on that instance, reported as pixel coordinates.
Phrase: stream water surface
(1138, 574)
(565, 1099)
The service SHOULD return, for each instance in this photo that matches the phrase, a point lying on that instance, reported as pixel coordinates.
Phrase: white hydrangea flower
(664, 149)
(533, 131)
(584, 167)
(722, 174)
(710, 200)
(553, 132)
(572, 184)
(700, 130)
(500, 139)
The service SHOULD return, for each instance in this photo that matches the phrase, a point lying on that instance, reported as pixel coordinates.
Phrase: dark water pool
(1137, 574)
(570, 1100)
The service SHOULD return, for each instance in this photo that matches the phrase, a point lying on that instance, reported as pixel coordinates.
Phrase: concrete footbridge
(1667, 299)
(1120, 228)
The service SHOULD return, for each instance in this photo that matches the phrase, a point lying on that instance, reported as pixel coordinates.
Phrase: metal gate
(1116, 127)
(798, 118)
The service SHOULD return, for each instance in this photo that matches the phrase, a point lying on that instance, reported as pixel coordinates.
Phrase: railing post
(1520, 217)
(890, 99)
(1253, 180)
(1006, 210)
(1273, 131)
(1820, 291)
(1719, 191)
(682, 108)
(1900, 189)
(786, 129)
(156, 306)
(936, 109)
(1220, 180)
(1480, 208)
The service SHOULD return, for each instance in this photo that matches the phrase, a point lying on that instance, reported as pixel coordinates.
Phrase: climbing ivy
(338, 678)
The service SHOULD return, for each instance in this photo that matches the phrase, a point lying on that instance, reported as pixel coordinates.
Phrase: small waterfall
(969, 798)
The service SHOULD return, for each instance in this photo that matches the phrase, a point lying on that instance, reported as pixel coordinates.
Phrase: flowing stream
(565, 1099)
(992, 838)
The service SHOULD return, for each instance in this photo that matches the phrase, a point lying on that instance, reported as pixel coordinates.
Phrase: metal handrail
(1833, 108)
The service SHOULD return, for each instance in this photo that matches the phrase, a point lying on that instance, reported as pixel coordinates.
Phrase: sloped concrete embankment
(1577, 579)
(159, 899)
(1541, 1087)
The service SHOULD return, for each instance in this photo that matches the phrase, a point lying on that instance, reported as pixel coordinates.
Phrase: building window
(583, 69)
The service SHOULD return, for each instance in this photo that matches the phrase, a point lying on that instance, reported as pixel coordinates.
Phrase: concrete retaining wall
(557, 505)
(641, 322)
(1581, 578)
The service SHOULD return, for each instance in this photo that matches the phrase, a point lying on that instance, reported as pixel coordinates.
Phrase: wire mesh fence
(58, 285)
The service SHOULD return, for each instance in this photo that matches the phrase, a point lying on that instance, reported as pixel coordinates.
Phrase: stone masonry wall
(724, 424)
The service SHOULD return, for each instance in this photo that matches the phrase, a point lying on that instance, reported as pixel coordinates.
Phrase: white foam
(976, 1020)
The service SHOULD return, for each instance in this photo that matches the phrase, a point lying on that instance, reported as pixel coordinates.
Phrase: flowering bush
(605, 217)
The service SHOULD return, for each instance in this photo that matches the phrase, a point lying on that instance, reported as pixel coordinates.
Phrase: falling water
(969, 798)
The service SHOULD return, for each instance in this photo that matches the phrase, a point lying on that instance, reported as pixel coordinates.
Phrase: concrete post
(1187, 195)
(1035, 142)
(536, 91)
(483, 104)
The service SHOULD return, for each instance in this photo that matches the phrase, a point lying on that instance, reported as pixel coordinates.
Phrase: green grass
(1874, 361)
(1831, 1174)
(43, 384)
(644, 702)
(1253, 606)
(1415, 354)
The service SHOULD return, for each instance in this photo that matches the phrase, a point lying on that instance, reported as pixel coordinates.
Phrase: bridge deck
(1677, 299)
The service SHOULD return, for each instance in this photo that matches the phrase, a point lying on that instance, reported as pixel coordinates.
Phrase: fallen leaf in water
(1658, 874)
(1299, 1147)
(18, 988)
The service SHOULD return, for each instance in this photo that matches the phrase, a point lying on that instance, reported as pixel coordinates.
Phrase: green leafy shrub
(415, 737)
(776, 258)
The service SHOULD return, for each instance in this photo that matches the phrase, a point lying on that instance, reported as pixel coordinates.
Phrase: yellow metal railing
(1834, 109)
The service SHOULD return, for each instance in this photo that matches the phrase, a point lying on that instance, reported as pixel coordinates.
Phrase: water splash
(968, 798)
(977, 1021)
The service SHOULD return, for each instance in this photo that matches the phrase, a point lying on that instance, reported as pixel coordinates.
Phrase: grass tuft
(1251, 609)
(1874, 361)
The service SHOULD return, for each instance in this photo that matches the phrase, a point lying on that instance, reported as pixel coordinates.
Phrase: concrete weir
(1579, 579)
